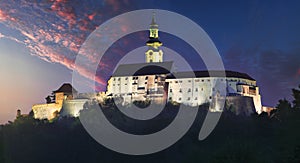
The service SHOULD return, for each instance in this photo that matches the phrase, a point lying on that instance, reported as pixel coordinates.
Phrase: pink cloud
(84, 25)
(117, 4)
(54, 30)
(6, 17)
(2, 16)
(92, 16)
(64, 11)
(29, 35)
(298, 73)
(1, 35)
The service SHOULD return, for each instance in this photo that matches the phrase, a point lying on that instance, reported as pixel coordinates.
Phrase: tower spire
(153, 23)
(154, 54)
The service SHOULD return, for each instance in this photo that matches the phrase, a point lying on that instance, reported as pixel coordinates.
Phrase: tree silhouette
(48, 99)
(296, 95)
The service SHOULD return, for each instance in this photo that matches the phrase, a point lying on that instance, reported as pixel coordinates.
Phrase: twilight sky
(39, 41)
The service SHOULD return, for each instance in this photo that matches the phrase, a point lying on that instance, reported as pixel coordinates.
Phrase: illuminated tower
(154, 54)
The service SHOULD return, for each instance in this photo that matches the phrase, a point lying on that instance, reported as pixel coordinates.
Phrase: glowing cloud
(54, 30)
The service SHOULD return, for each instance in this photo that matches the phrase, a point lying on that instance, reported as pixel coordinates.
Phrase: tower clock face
(150, 53)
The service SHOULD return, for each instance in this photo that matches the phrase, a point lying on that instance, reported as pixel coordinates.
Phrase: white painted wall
(189, 91)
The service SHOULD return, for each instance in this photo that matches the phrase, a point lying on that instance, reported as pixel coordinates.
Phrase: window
(179, 99)
(176, 81)
(197, 80)
(146, 77)
(114, 79)
(196, 89)
(180, 81)
(119, 79)
(170, 98)
(180, 90)
(189, 90)
(188, 98)
(214, 89)
(202, 80)
(171, 90)
(201, 89)
(208, 80)
(190, 81)
(126, 78)
(196, 98)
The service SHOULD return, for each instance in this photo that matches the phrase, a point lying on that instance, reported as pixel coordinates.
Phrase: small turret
(19, 113)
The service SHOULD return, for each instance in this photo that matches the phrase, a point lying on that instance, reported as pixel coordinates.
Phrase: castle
(153, 81)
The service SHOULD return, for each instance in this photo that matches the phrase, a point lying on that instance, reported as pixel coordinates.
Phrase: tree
(48, 99)
(283, 109)
(283, 104)
(296, 95)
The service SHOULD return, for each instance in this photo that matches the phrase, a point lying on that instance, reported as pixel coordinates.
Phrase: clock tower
(154, 53)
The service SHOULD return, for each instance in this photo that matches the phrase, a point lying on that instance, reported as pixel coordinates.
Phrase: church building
(152, 81)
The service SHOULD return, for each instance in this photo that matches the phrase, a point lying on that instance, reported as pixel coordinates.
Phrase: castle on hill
(152, 81)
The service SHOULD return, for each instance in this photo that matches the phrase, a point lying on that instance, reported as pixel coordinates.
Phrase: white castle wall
(189, 91)
(134, 88)
(196, 91)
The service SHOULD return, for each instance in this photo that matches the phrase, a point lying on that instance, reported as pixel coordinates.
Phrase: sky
(40, 39)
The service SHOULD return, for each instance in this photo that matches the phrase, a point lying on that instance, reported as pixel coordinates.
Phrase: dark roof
(152, 40)
(164, 67)
(212, 73)
(67, 88)
(143, 69)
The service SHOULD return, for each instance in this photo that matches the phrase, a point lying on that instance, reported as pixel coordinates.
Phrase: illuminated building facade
(152, 81)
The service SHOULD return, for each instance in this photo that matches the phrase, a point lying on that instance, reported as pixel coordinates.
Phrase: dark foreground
(255, 138)
(235, 139)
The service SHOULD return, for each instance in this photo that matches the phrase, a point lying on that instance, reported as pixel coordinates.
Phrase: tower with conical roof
(154, 53)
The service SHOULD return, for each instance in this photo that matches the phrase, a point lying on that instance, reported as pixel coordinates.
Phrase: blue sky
(39, 41)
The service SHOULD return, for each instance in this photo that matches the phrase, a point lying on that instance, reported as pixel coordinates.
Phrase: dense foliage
(256, 138)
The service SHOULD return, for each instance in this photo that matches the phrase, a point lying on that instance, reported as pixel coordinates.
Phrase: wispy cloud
(54, 30)
(11, 38)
